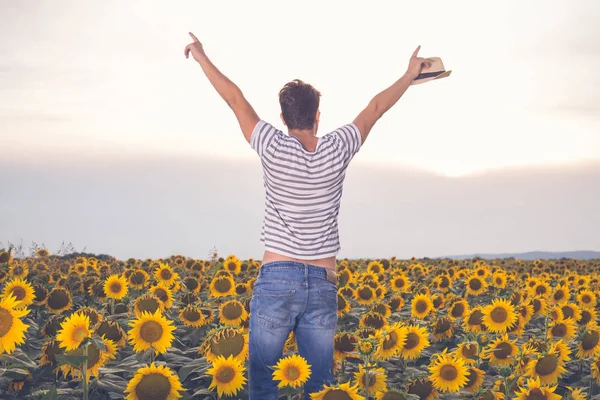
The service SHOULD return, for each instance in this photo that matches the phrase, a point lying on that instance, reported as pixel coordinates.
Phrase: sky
(91, 88)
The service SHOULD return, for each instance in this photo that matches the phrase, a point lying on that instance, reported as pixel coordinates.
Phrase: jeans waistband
(293, 266)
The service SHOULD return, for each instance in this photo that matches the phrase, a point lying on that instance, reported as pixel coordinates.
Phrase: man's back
(303, 189)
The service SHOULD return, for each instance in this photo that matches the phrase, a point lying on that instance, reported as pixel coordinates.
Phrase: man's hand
(195, 48)
(416, 64)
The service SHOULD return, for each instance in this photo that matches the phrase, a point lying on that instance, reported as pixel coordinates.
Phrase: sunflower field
(164, 329)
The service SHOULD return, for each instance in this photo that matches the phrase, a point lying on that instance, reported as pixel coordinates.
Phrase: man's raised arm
(228, 90)
(386, 99)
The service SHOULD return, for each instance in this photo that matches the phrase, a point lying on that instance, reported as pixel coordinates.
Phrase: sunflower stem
(84, 372)
(367, 380)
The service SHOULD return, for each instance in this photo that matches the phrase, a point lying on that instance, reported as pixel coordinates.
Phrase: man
(303, 178)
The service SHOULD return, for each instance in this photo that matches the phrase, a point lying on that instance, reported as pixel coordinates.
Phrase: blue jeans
(291, 296)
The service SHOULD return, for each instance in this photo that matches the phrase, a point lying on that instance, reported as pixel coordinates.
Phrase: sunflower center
(399, 282)
(345, 344)
(412, 341)
(421, 388)
(541, 289)
(148, 304)
(394, 303)
(161, 294)
(165, 274)
(372, 378)
(225, 374)
(421, 306)
(503, 350)
(137, 278)
(586, 317)
(559, 295)
(231, 266)
(115, 287)
(559, 330)
(18, 292)
(111, 332)
(589, 341)
(40, 293)
(476, 318)
(6, 321)
(471, 378)
(223, 285)
(232, 311)
(586, 298)
(567, 312)
(448, 372)
(151, 331)
(475, 284)
(536, 394)
(227, 345)
(337, 394)
(291, 373)
(499, 315)
(375, 321)
(341, 303)
(191, 315)
(469, 349)
(191, 284)
(365, 293)
(458, 309)
(153, 386)
(546, 365)
(79, 333)
(390, 341)
(442, 325)
(444, 282)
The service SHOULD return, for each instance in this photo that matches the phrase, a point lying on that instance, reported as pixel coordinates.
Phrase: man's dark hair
(299, 104)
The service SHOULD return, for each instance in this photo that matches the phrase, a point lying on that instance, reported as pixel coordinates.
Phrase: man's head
(299, 105)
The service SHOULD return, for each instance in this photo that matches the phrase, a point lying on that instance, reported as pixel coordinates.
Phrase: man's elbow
(235, 97)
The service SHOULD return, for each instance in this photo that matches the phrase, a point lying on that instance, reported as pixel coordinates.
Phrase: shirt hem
(301, 257)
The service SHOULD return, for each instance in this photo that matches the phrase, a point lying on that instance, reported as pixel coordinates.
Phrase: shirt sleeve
(349, 139)
(263, 137)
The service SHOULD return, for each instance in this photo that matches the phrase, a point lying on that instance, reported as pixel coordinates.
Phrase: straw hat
(436, 71)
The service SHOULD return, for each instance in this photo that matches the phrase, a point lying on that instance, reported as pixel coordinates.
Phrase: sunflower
(164, 294)
(21, 290)
(469, 352)
(151, 331)
(383, 309)
(526, 312)
(96, 359)
(192, 316)
(561, 329)
(499, 316)
(291, 371)
(343, 344)
(459, 309)
(535, 391)
(365, 295)
(438, 301)
(193, 285)
(343, 305)
(423, 388)
(377, 378)
(395, 302)
(232, 265)
(138, 279)
(164, 275)
(18, 270)
(578, 394)
(391, 340)
(475, 285)
(59, 300)
(113, 331)
(115, 287)
(587, 299)
(232, 313)
(40, 294)
(499, 279)
(148, 303)
(392, 394)
(227, 376)
(474, 320)
(587, 315)
(561, 295)
(154, 383)
(548, 368)
(526, 354)
(539, 305)
(590, 343)
(475, 378)
(596, 369)
(501, 352)
(373, 320)
(222, 286)
(541, 289)
(345, 277)
(74, 330)
(340, 391)
(49, 351)
(416, 341)
(400, 283)
(12, 329)
(421, 306)
(571, 310)
(94, 316)
(448, 373)
(225, 342)
(444, 283)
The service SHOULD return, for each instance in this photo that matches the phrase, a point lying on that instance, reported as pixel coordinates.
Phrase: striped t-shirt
(303, 189)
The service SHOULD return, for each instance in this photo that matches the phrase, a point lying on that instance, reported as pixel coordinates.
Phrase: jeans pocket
(327, 318)
(273, 307)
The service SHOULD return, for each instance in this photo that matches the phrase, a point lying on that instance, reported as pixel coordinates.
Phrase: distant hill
(534, 255)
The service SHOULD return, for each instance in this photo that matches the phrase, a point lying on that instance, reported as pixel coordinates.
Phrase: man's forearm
(387, 98)
(228, 90)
